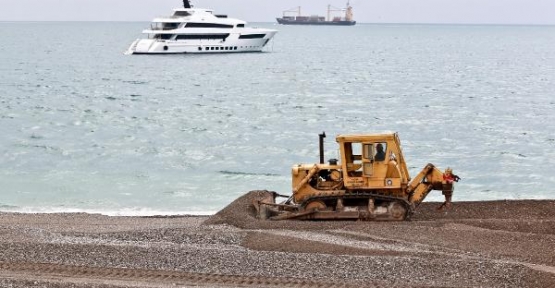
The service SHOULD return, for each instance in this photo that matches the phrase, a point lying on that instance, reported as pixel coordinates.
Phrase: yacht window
(206, 48)
(252, 36)
(169, 26)
(156, 26)
(181, 14)
(207, 25)
(162, 36)
(202, 36)
(240, 25)
(164, 26)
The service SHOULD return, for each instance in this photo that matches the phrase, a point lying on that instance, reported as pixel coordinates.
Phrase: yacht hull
(233, 44)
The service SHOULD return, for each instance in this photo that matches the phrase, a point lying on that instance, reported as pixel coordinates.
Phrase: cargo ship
(346, 19)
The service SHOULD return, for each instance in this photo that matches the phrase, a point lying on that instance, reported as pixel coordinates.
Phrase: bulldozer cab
(372, 161)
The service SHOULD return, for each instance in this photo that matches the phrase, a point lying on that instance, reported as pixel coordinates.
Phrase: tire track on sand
(144, 277)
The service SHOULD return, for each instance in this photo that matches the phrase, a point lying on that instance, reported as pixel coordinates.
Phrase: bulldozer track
(364, 194)
(96, 274)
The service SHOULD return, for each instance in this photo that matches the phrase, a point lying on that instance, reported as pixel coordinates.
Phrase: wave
(247, 173)
(139, 212)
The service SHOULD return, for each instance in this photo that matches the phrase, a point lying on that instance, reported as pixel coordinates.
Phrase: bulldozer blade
(267, 210)
(292, 215)
(259, 202)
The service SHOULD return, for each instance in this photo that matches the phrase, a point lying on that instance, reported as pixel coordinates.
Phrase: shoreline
(209, 214)
(506, 243)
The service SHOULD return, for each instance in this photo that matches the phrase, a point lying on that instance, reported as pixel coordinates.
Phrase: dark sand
(475, 244)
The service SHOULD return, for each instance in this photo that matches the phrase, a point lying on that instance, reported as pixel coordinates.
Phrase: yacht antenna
(186, 4)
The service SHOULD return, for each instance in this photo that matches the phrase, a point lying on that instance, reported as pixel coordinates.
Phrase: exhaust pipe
(321, 144)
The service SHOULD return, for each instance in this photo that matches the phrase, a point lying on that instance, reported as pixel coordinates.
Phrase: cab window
(380, 151)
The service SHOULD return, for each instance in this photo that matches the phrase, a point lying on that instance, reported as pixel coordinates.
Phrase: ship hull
(232, 44)
(308, 22)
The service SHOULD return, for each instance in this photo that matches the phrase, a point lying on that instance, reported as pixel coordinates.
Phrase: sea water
(85, 128)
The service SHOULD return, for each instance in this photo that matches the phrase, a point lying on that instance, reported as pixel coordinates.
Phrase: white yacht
(196, 30)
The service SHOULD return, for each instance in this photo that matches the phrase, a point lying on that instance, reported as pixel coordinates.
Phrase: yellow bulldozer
(370, 182)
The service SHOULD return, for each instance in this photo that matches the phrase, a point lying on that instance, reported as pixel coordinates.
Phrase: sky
(537, 12)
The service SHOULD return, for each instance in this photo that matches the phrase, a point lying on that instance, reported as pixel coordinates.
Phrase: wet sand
(488, 244)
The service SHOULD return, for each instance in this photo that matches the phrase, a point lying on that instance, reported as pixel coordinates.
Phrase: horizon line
(274, 22)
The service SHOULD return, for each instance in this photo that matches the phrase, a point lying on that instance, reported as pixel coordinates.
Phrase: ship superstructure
(294, 17)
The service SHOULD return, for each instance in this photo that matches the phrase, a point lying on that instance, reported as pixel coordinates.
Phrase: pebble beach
(475, 244)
